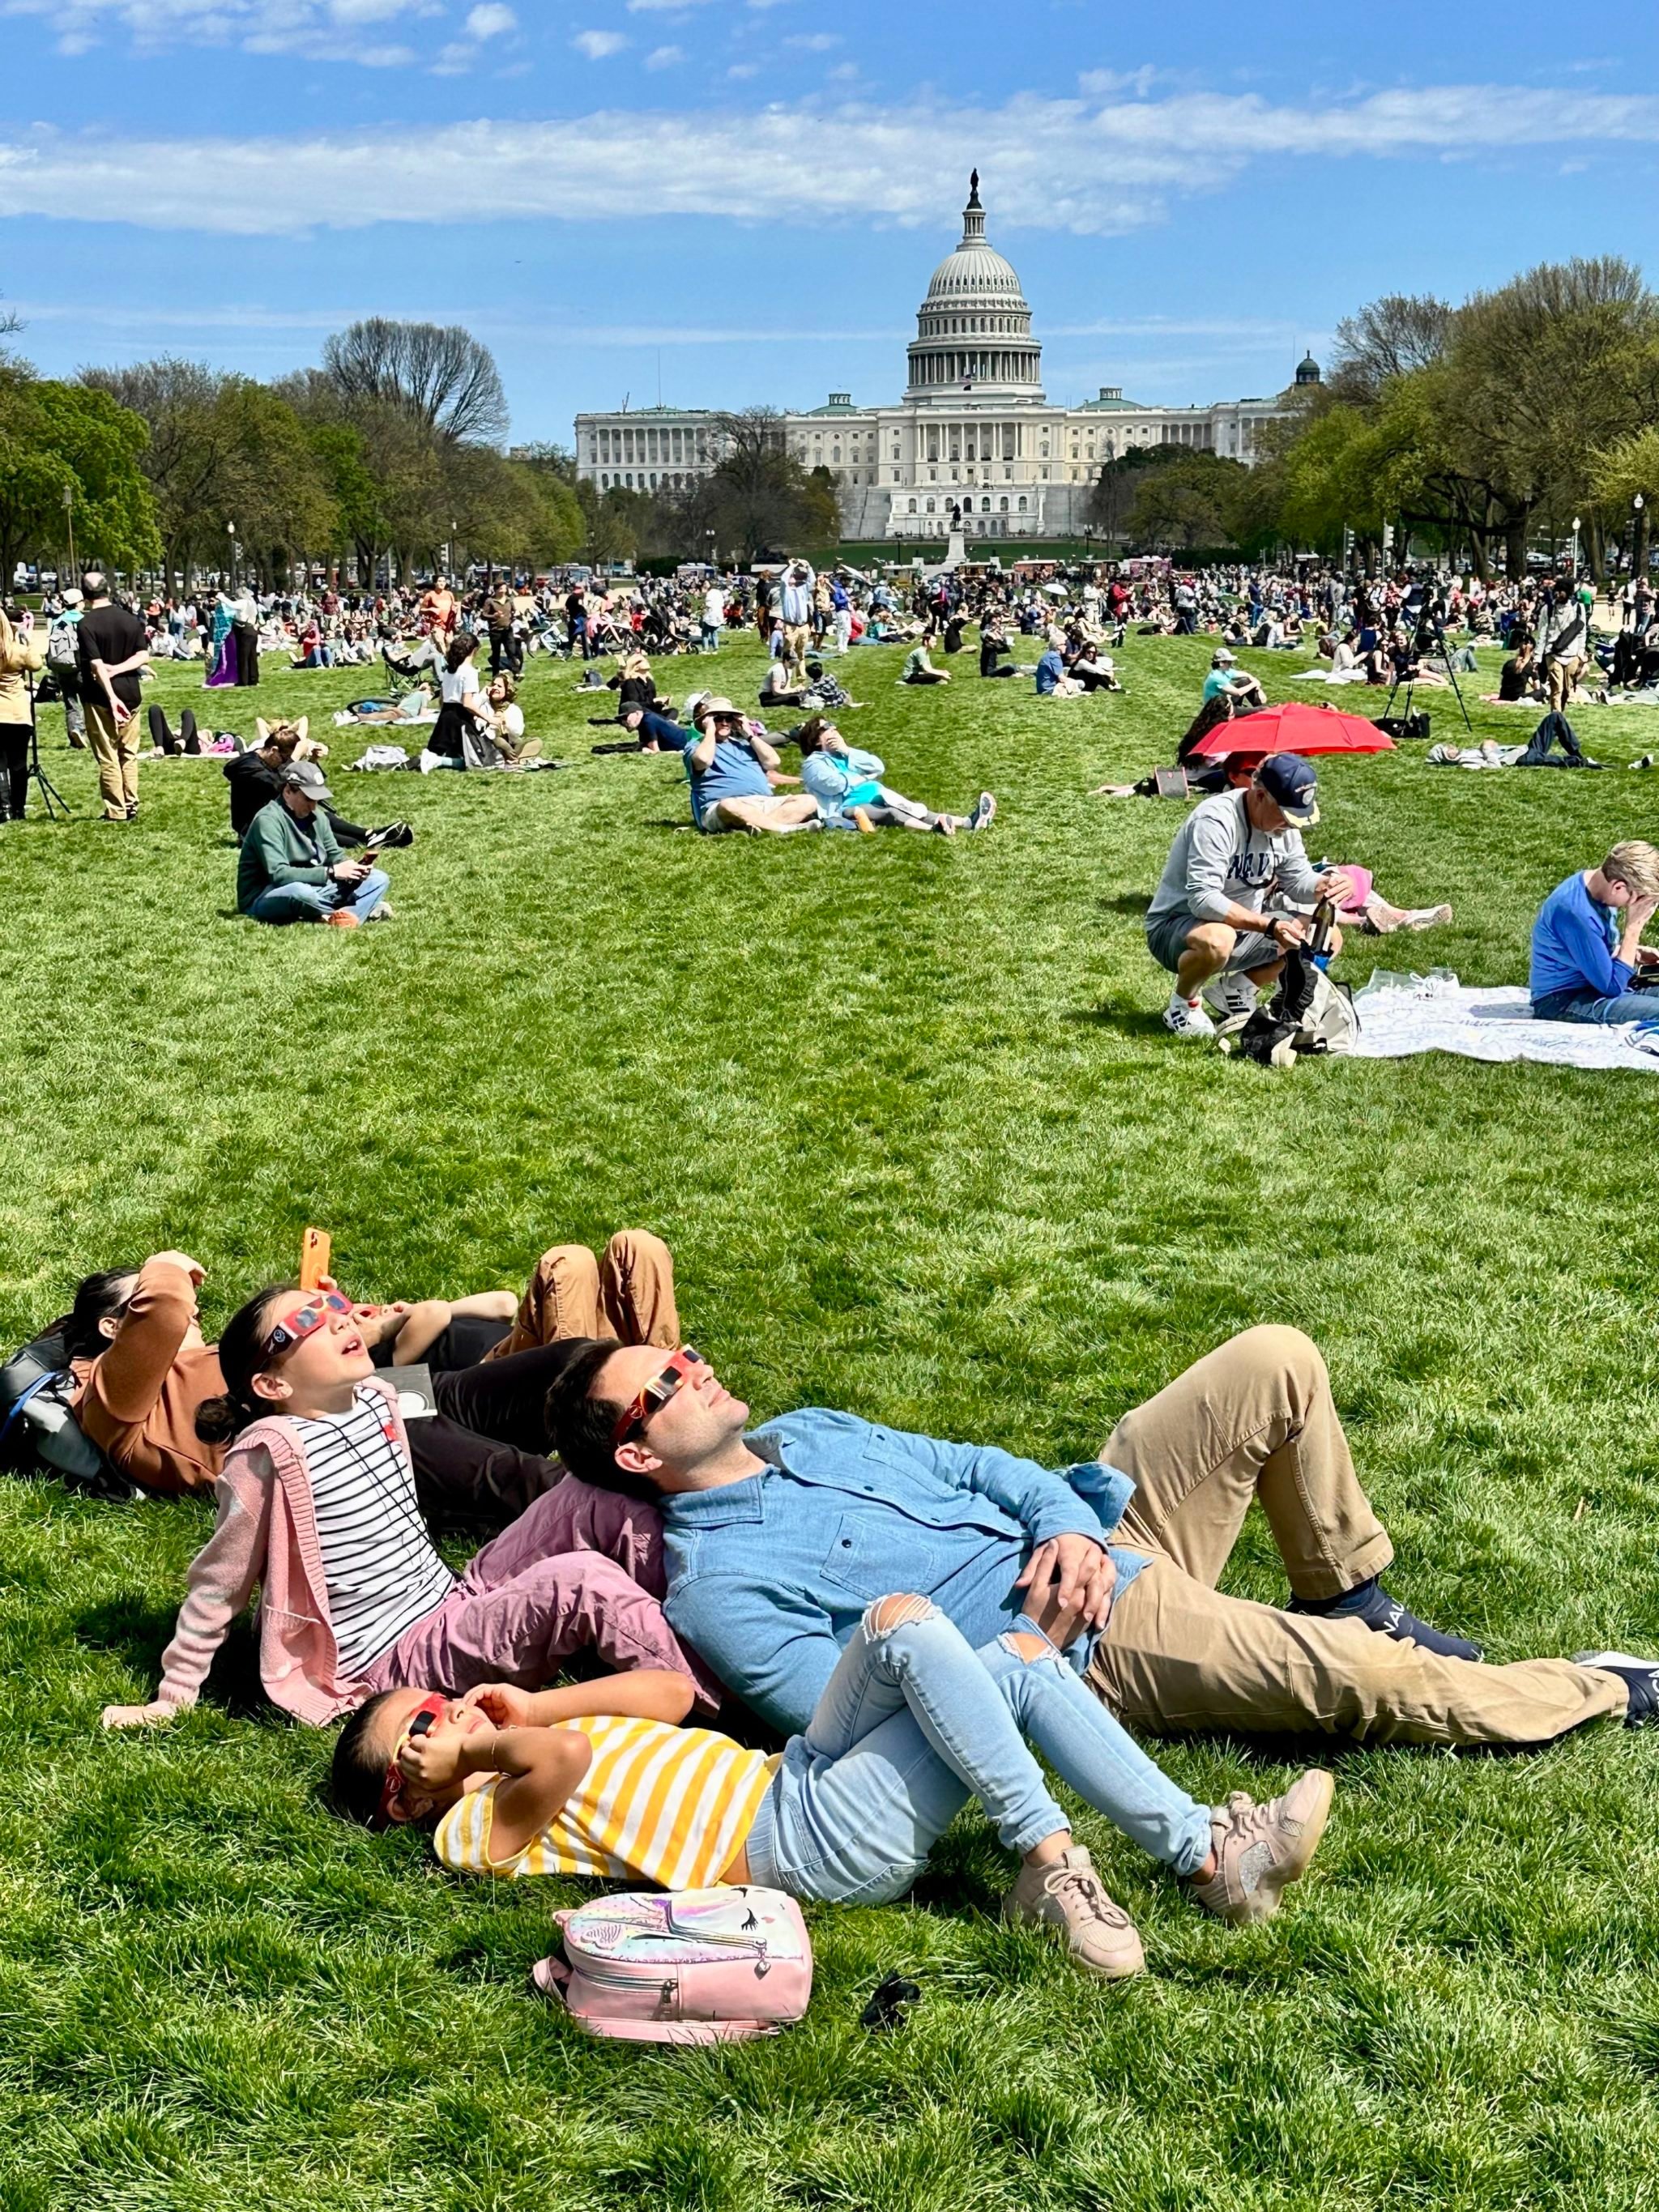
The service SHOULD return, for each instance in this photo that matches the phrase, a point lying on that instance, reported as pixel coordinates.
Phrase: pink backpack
(695, 1966)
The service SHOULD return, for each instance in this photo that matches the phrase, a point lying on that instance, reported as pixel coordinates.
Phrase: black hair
(810, 736)
(358, 1773)
(96, 1297)
(241, 1357)
(462, 646)
(582, 1426)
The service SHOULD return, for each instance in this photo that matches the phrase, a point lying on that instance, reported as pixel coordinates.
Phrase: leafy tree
(185, 456)
(63, 437)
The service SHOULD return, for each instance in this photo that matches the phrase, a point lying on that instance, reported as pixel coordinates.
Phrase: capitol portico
(974, 430)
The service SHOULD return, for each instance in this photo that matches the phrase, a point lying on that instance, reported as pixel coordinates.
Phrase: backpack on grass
(692, 1966)
(38, 1432)
(1307, 1015)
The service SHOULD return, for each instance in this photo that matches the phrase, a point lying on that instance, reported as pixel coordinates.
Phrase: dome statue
(974, 328)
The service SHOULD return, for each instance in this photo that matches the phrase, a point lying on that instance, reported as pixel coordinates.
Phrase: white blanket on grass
(1401, 1015)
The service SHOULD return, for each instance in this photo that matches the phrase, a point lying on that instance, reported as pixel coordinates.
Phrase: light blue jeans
(312, 901)
(1586, 1005)
(913, 1723)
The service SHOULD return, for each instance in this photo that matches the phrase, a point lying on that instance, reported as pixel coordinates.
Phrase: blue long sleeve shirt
(1575, 944)
(767, 1578)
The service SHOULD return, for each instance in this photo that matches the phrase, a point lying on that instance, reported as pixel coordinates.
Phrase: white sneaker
(1185, 1017)
(1229, 997)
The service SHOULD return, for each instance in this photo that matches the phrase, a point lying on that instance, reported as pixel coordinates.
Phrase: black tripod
(1431, 629)
(52, 799)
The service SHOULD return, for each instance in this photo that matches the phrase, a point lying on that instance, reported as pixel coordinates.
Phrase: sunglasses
(309, 1319)
(658, 1391)
(421, 1721)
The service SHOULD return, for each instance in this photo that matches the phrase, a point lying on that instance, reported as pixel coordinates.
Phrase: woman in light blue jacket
(846, 784)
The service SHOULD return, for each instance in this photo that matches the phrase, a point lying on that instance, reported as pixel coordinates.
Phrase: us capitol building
(973, 430)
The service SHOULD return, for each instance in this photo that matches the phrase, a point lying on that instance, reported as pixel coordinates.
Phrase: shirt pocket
(864, 1559)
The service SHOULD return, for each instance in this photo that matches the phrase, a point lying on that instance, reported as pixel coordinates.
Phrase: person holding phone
(22, 654)
(291, 868)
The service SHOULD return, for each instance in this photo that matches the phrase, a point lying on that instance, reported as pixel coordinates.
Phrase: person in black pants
(246, 636)
(22, 651)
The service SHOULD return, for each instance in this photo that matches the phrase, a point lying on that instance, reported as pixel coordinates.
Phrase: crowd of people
(804, 1645)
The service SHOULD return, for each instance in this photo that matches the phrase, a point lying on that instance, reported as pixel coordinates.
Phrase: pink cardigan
(267, 1533)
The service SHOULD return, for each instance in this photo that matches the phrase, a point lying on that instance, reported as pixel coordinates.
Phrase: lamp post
(1638, 538)
(69, 524)
(1574, 547)
(230, 533)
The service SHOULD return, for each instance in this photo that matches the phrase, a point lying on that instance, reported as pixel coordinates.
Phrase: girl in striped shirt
(602, 1780)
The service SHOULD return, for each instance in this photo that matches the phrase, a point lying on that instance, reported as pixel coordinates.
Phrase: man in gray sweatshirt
(1220, 918)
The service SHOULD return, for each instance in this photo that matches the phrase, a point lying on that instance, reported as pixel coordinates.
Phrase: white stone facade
(973, 429)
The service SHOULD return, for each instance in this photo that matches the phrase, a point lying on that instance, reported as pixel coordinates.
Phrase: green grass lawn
(904, 1111)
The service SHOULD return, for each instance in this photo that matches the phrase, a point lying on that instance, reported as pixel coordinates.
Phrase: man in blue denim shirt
(776, 1540)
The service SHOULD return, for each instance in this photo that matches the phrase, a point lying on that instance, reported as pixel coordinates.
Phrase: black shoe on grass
(1639, 1676)
(1371, 1603)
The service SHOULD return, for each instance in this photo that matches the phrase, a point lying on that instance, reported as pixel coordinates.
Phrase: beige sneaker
(1261, 1849)
(1067, 1893)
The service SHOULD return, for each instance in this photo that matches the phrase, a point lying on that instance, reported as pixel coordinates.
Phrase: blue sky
(746, 197)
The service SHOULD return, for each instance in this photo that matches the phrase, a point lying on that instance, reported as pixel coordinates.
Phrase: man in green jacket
(292, 869)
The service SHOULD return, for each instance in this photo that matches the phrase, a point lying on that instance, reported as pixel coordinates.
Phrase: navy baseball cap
(1289, 781)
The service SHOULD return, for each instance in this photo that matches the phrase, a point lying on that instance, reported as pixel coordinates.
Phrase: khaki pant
(115, 748)
(627, 1295)
(1563, 679)
(1255, 1421)
(796, 639)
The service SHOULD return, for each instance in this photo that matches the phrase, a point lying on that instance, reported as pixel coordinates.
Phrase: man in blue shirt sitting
(1587, 941)
(776, 1540)
(730, 771)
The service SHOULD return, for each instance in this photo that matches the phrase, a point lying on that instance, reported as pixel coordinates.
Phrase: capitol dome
(974, 329)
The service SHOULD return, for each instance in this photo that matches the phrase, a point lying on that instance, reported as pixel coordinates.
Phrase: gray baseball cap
(306, 776)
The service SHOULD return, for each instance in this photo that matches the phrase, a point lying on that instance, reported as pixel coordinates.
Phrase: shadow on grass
(1126, 903)
(138, 1632)
(1134, 1021)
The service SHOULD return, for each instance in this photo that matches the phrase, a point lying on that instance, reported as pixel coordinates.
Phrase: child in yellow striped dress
(602, 1779)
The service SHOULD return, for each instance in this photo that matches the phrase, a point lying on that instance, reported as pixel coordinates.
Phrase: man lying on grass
(775, 1541)
(317, 1505)
(602, 1780)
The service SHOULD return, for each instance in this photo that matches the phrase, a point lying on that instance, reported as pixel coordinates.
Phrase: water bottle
(1319, 945)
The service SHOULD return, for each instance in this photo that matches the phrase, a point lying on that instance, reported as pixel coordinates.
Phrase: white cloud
(306, 30)
(598, 45)
(814, 42)
(664, 57)
(491, 21)
(1100, 84)
(1055, 165)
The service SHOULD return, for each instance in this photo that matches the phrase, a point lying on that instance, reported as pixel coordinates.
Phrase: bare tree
(1393, 336)
(439, 374)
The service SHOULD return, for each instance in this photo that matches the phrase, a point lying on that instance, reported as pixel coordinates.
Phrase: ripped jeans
(913, 1722)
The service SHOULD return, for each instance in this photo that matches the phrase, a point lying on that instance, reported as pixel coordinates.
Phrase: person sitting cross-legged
(1209, 920)
(291, 868)
(777, 1539)
(318, 1505)
(602, 1779)
(730, 769)
(1587, 941)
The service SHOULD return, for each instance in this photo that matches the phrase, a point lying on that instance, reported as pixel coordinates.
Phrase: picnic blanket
(1404, 1014)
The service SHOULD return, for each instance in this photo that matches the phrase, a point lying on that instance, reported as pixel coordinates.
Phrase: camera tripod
(1430, 626)
(52, 799)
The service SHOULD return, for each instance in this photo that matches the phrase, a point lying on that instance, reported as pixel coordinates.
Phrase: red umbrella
(1294, 727)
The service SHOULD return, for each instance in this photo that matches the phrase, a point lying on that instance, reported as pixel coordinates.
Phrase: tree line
(1473, 429)
(386, 457)
(387, 453)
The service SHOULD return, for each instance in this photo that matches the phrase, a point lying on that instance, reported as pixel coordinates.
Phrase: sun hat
(712, 705)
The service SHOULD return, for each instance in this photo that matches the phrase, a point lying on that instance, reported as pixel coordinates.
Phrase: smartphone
(315, 1248)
